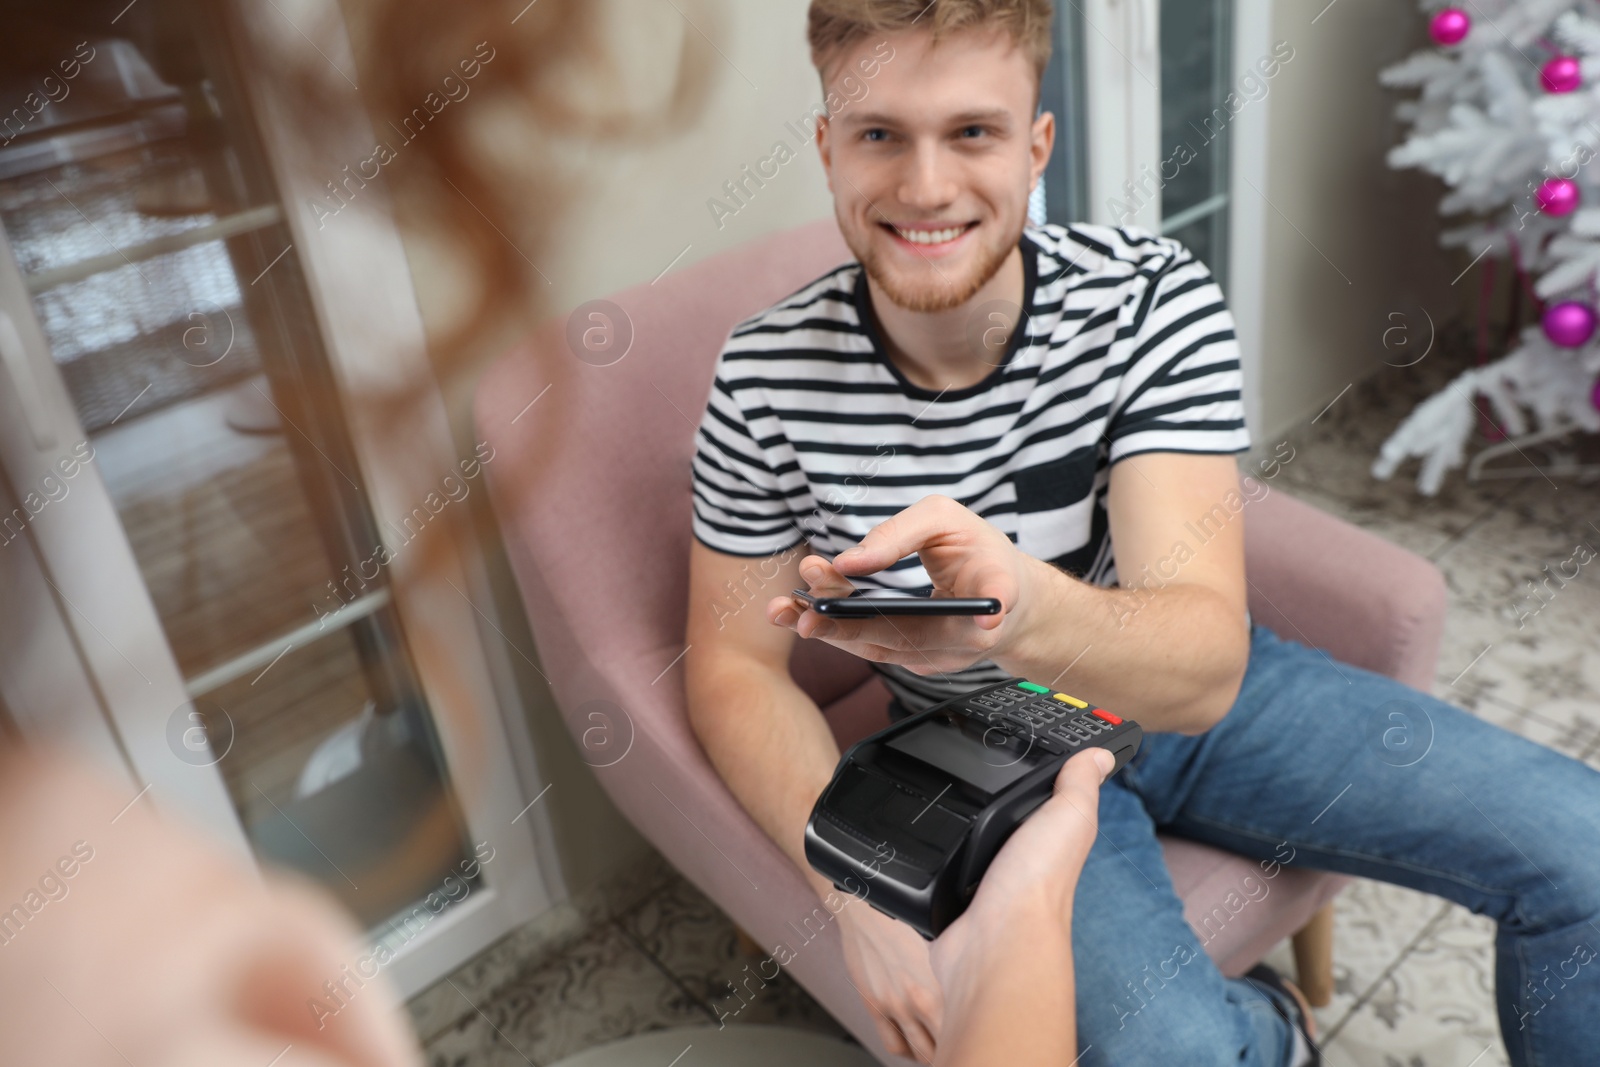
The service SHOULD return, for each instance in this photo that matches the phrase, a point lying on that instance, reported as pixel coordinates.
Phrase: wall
(1348, 241)
(647, 205)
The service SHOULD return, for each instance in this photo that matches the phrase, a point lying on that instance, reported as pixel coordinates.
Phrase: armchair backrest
(592, 480)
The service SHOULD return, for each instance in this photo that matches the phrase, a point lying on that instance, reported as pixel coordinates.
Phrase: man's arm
(1169, 648)
(1171, 644)
(771, 745)
(766, 737)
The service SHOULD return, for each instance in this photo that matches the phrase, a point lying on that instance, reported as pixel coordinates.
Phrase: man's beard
(938, 290)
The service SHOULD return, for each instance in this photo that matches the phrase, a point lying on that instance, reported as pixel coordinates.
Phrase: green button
(1032, 688)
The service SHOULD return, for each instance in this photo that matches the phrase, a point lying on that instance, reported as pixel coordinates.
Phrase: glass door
(1162, 117)
(1138, 88)
(1119, 116)
(1196, 121)
(188, 438)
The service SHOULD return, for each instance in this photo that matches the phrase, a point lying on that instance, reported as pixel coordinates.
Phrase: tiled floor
(1414, 974)
(647, 952)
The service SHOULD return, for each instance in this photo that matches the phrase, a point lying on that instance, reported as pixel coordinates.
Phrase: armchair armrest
(1331, 585)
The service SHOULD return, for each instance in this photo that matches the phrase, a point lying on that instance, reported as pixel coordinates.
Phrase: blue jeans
(1327, 766)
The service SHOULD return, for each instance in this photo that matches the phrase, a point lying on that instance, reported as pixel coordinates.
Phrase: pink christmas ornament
(1594, 397)
(1569, 324)
(1557, 196)
(1449, 26)
(1560, 75)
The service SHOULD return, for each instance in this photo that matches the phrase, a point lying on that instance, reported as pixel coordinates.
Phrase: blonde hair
(834, 25)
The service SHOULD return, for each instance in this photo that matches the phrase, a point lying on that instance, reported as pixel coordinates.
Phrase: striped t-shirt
(812, 435)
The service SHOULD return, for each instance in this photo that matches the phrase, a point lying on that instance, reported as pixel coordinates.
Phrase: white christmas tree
(1509, 117)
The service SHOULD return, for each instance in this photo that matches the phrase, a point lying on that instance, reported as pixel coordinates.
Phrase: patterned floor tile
(1435, 1008)
(733, 1046)
(691, 937)
(441, 1006)
(623, 891)
(1501, 642)
(1545, 521)
(602, 988)
(1374, 923)
(474, 1044)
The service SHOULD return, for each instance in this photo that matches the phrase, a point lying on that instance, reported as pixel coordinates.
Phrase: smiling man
(1048, 415)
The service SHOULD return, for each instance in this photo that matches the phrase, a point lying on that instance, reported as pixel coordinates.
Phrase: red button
(1101, 713)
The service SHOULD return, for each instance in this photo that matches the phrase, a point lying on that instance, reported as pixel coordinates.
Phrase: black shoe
(1288, 1006)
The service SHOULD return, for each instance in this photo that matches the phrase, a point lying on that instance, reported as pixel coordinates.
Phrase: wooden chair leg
(747, 944)
(1313, 957)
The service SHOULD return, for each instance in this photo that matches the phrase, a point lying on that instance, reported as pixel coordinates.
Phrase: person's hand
(1033, 877)
(888, 962)
(1009, 955)
(964, 555)
(158, 948)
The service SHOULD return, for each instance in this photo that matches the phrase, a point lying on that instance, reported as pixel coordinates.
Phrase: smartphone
(864, 604)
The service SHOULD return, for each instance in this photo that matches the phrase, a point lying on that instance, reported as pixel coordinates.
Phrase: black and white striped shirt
(812, 435)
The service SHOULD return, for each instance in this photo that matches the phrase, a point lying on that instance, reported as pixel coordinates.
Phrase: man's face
(932, 168)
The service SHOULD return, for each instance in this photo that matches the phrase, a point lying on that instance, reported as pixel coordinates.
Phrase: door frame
(116, 685)
(1122, 107)
(1247, 204)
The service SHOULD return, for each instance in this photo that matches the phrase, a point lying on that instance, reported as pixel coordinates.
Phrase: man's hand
(888, 962)
(1168, 646)
(964, 555)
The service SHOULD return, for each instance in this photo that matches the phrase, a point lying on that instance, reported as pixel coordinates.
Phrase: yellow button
(1074, 701)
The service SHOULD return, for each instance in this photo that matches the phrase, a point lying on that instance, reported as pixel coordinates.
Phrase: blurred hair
(832, 26)
(552, 85)
(489, 188)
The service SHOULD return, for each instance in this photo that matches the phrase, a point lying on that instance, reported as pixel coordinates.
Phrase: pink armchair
(591, 483)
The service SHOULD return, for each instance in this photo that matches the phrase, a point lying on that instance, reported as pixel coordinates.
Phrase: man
(1083, 473)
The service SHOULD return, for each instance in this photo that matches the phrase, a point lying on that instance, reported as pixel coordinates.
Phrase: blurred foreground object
(124, 939)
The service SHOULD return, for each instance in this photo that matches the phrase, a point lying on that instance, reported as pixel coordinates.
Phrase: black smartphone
(866, 604)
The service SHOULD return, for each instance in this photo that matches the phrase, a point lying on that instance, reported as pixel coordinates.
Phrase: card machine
(915, 813)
